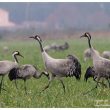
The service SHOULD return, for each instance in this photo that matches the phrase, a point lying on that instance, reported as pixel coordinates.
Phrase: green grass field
(53, 96)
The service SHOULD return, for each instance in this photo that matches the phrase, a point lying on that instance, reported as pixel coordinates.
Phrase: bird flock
(56, 47)
(57, 68)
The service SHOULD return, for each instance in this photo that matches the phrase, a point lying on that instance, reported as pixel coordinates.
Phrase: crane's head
(17, 53)
(46, 74)
(86, 34)
(36, 37)
(89, 73)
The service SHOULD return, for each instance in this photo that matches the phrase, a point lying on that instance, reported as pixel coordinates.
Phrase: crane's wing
(26, 70)
(102, 65)
(13, 74)
(68, 67)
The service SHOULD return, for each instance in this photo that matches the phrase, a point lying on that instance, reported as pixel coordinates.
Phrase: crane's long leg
(62, 85)
(25, 86)
(97, 82)
(1, 83)
(3, 86)
(51, 77)
(16, 81)
(16, 84)
(47, 86)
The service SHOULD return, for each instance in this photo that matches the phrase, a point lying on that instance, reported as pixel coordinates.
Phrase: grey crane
(59, 68)
(63, 47)
(90, 72)
(25, 72)
(100, 64)
(6, 66)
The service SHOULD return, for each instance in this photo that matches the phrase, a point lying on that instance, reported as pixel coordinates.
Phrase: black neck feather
(89, 41)
(16, 59)
(41, 48)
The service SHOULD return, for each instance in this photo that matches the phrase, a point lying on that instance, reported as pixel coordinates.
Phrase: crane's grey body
(59, 68)
(68, 67)
(90, 72)
(6, 66)
(100, 64)
(25, 72)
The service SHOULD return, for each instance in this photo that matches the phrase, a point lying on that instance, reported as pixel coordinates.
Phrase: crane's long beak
(32, 37)
(82, 36)
(21, 55)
